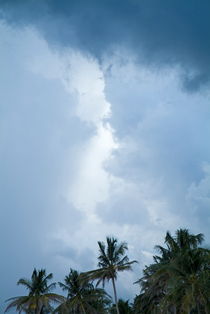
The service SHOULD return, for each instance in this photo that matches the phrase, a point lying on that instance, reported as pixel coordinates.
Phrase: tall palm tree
(112, 259)
(39, 296)
(82, 296)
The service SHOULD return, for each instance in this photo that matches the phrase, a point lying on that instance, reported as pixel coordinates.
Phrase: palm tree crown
(39, 294)
(111, 260)
(38, 284)
(82, 296)
(182, 241)
(178, 280)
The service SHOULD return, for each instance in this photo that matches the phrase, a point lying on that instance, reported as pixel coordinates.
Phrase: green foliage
(39, 298)
(179, 279)
(177, 282)
(124, 307)
(111, 260)
(82, 296)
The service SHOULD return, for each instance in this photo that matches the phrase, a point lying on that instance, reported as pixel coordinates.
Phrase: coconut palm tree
(39, 297)
(182, 241)
(189, 281)
(82, 296)
(178, 280)
(112, 259)
(182, 264)
(152, 290)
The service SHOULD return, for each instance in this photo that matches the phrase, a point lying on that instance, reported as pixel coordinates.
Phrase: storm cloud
(98, 135)
(158, 33)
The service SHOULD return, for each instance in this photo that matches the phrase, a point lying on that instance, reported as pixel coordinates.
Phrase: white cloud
(83, 76)
(84, 80)
(92, 182)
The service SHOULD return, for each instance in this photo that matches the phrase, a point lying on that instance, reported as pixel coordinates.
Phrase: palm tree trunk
(198, 308)
(115, 296)
(83, 309)
(38, 310)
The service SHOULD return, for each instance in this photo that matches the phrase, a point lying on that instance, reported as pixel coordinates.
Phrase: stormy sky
(104, 130)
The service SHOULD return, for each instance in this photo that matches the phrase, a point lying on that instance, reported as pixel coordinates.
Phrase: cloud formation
(93, 143)
(158, 32)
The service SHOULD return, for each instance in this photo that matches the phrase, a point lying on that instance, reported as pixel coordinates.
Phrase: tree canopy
(176, 282)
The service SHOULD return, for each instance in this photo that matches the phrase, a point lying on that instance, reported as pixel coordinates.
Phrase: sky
(104, 131)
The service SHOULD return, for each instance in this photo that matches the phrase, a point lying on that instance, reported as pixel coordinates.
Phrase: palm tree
(178, 280)
(182, 264)
(112, 259)
(189, 281)
(39, 296)
(82, 296)
(152, 290)
(182, 241)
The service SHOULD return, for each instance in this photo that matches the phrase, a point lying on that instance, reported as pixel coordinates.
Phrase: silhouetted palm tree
(179, 280)
(112, 259)
(182, 241)
(82, 296)
(39, 296)
(189, 281)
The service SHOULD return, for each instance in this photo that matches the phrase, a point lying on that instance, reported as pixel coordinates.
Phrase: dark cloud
(159, 32)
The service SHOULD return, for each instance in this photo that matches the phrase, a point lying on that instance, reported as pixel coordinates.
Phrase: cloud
(84, 77)
(198, 198)
(91, 149)
(163, 134)
(54, 152)
(37, 152)
(159, 33)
